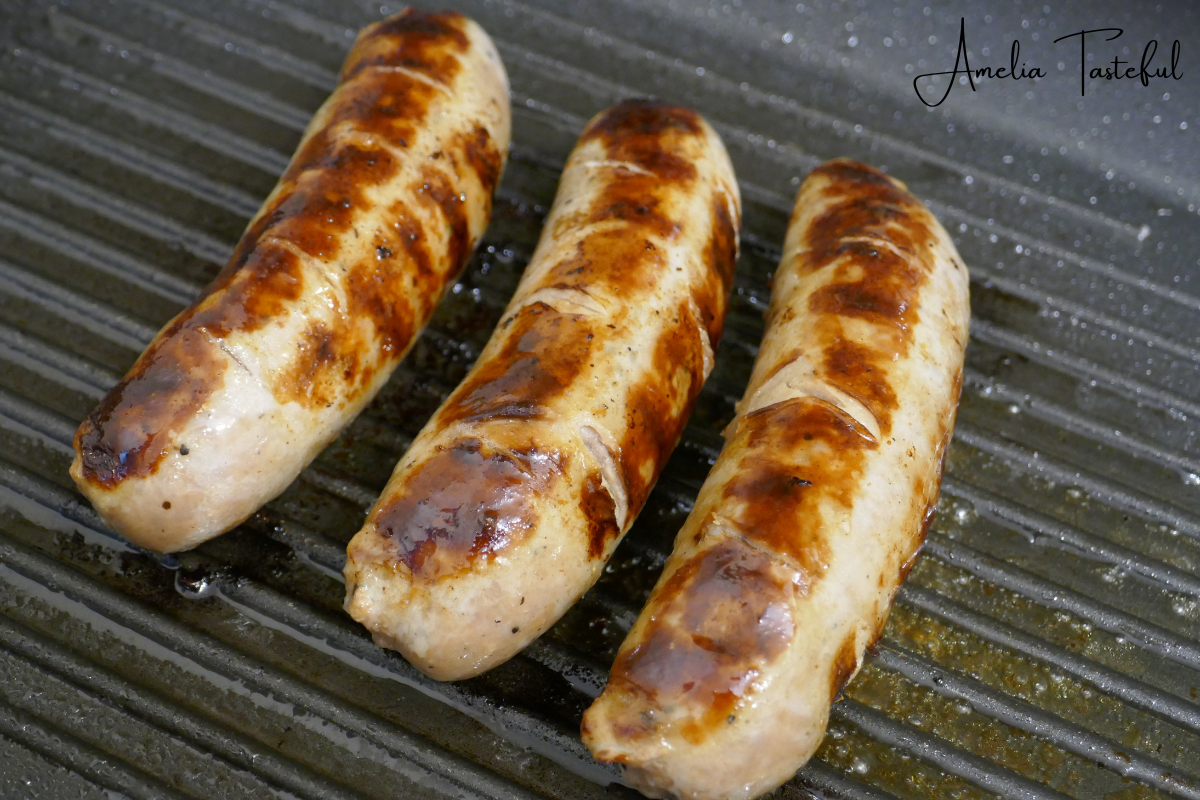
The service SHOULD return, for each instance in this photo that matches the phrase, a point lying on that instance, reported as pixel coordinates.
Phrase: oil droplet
(195, 584)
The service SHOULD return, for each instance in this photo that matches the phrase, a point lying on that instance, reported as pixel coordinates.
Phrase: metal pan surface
(1046, 645)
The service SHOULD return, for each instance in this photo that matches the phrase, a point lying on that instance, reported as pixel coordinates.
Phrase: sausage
(784, 572)
(514, 495)
(378, 211)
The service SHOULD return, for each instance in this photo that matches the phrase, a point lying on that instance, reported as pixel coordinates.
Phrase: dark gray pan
(1046, 645)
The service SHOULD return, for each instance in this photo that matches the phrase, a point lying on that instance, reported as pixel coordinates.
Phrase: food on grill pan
(510, 501)
(377, 213)
(812, 516)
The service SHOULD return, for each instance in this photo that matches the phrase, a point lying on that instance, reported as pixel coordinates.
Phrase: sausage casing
(812, 515)
(512, 498)
(381, 206)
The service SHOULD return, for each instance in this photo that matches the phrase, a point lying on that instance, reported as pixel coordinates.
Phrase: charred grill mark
(130, 432)
(327, 195)
(885, 294)
(722, 251)
(639, 120)
(465, 502)
(865, 204)
(632, 200)
(720, 259)
(619, 265)
(271, 280)
(542, 354)
(652, 140)
(482, 156)
(388, 105)
(442, 195)
(799, 457)
(844, 665)
(660, 404)
(862, 373)
(875, 233)
(266, 218)
(309, 380)
(600, 512)
(428, 42)
(718, 621)
(409, 238)
(376, 291)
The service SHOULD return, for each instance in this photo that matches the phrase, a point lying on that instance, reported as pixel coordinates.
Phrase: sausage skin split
(514, 495)
(380, 208)
(811, 517)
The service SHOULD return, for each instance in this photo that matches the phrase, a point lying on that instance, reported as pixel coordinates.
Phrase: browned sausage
(512, 498)
(786, 568)
(382, 203)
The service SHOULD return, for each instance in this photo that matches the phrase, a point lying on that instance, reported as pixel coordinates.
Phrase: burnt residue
(467, 501)
(713, 626)
(600, 512)
(543, 352)
(798, 461)
(875, 233)
(427, 42)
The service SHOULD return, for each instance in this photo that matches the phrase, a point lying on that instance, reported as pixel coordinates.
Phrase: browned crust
(797, 465)
(717, 621)
(874, 283)
(468, 501)
(544, 350)
(600, 512)
(543, 353)
(798, 462)
(394, 287)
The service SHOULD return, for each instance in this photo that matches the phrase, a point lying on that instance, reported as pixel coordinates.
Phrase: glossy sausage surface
(510, 501)
(381, 206)
(786, 568)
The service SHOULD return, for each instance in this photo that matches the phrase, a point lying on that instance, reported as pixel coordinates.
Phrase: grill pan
(1046, 645)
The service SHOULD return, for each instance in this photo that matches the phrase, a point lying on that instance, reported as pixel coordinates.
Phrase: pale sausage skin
(785, 570)
(386, 196)
(514, 495)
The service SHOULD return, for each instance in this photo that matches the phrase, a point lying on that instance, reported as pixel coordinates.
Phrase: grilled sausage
(389, 191)
(812, 516)
(510, 501)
